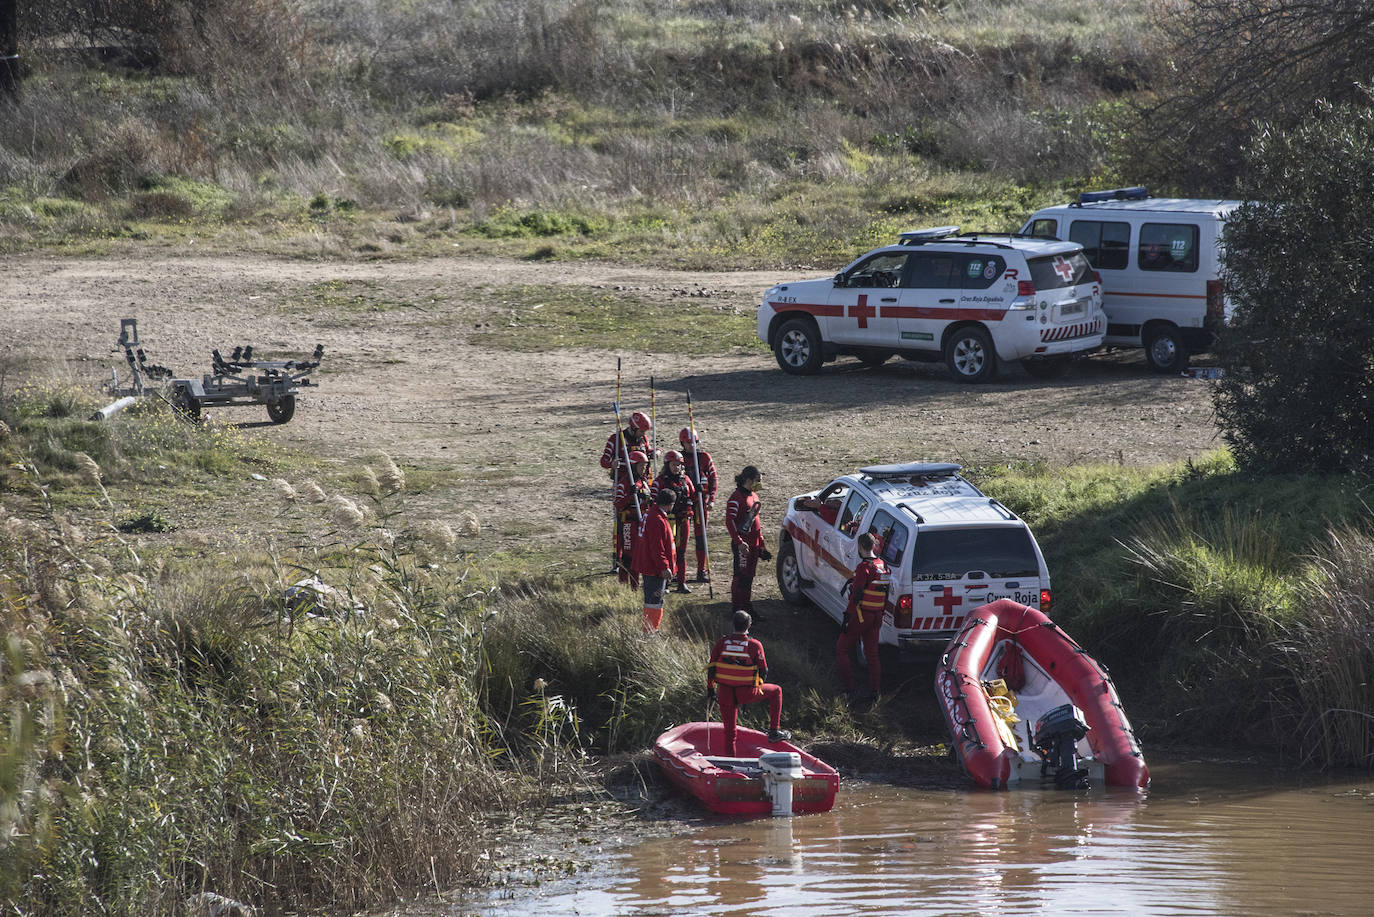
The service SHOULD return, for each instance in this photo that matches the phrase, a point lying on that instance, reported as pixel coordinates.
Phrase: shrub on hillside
(1298, 393)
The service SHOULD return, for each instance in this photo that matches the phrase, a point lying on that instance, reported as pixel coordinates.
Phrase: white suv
(968, 300)
(949, 547)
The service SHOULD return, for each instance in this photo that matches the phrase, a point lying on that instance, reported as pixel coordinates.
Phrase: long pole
(653, 429)
(625, 457)
(615, 516)
(701, 505)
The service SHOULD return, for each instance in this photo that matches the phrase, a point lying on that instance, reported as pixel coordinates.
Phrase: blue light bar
(1137, 193)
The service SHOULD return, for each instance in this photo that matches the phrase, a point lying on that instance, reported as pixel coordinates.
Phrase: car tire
(282, 409)
(1164, 349)
(798, 347)
(969, 355)
(1046, 367)
(789, 574)
(872, 360)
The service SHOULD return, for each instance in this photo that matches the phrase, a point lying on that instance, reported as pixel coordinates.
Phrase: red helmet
(637, 456)
(687, 437)
(640, 421)
(672, 455)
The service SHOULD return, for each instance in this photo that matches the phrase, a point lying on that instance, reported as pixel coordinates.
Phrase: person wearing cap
(655, 557)
(701, 470)
(746, 538)
(636, 436)
(736, 676)
(673, 477)
(863, 617)
(631, 488)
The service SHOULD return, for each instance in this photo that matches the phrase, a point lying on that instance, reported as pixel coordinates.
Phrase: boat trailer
(239, 380)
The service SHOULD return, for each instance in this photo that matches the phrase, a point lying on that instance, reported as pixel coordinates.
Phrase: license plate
(1072, 308)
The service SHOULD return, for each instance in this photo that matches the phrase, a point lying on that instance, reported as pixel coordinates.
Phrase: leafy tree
(1230, 64)
(1298, 390)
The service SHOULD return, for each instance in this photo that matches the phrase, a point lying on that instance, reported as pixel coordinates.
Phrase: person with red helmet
(673, 479)
(636, 435)
(696, 462)
(654, 556)
(631, 504)
(863, 618)
(746, 537)
(736, 675)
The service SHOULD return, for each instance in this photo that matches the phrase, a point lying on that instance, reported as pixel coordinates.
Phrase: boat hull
(1057, 672)
(735, 785)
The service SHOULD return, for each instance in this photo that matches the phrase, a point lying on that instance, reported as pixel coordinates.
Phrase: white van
(1159, 259)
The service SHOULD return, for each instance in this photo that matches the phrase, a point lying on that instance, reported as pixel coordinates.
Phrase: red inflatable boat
(1026, 705)
(762, 778)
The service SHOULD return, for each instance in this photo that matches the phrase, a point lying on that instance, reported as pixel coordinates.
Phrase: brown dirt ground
(523, 432)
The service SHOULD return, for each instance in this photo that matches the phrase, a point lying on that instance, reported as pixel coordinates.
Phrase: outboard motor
(1056, 742)
(780, 770)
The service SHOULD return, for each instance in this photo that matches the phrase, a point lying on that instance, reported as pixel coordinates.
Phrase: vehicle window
(1056, 271)
(1000, 551)
(937, 271)
(1167, 247)
(1044, 228)
(1107, 245)
(981, 272)
(884, 270)
(832, 498)
(853, 514)
(891, 535)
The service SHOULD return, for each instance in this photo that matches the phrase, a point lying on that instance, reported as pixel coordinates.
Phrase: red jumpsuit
(612, 459)
(654, 552)
(746, 541)
(737, 669)
(699, 468)
(682, 511)
(863, 620)
(628, 489)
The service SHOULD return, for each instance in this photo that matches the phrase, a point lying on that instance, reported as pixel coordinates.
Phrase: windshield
(1000, 552)
(1056, 271)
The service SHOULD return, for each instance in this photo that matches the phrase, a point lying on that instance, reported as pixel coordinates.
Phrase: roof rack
(922, 469)
(930, 234)
(1138, 193)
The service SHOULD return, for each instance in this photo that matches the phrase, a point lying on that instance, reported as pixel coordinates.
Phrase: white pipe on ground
(113, 408)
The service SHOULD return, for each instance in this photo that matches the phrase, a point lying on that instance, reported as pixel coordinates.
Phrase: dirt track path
(524, 430)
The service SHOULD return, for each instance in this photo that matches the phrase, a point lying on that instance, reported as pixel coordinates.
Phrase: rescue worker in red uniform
(631, 487)
(655, 557)
(746, 537)
(612, 459)
(736, 676)
(674, 480)
(863, 618)
(696, 462)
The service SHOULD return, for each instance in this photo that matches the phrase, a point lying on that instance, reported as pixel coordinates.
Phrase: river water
(1206, 838)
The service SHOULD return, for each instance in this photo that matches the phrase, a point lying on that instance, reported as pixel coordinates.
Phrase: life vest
(736, 667)
(874, 598)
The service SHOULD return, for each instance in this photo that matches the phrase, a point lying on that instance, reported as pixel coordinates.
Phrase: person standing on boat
(746, 537)
(655, 556)
(863, 618)
(736, 676)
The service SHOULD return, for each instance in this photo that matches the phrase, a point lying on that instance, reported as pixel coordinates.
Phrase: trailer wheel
(186, 405)
(282, 409)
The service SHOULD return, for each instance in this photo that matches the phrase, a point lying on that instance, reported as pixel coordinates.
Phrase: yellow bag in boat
(1002, 703)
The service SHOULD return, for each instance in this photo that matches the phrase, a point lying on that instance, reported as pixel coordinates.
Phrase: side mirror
(839, 280)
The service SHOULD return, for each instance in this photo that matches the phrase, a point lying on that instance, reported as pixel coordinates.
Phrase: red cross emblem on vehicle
(1063, 268)
(863, 311)
(948, 600)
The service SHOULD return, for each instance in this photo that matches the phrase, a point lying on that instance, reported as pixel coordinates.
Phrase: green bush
(1298, 391)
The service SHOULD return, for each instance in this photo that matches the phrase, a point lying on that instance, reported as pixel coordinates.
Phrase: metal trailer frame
(237, 381)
